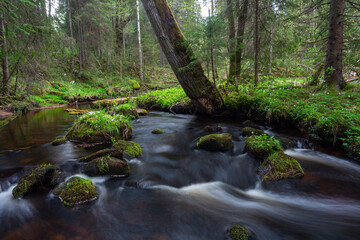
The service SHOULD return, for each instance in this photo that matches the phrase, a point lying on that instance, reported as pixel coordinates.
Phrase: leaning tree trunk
(4, 88)
(187, 69)
(333, 64)
(240, 35)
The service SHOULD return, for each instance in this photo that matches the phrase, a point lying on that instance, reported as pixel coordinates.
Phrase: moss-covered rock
(216, 142)
(208, 128)
(126, 109)
(100, 127)
(113, 152)
(43, 175)
(76, 191)
(249, 131)
(135, 85)
(238, 232)
(76, 111)
(107, 166)
(281, 166)
(141, 111)
(285, 142)
(59, 141)
(262, 146)
(157, 131)
(129, 149)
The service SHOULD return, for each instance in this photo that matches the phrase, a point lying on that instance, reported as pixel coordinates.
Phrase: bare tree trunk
(213, 49)
(232, 65)
(71, 37)
(49, 10)
(4, 61)
(240, 35)
(139, 39)
(256, 43)
(271, 50)
(180, 56)
(334, 55)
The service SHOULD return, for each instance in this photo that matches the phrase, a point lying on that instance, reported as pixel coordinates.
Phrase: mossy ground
(130, 148)
(282, 166)
(76, 191)
(216, 142)
(238, 232)
(262, 146)
(100, 127)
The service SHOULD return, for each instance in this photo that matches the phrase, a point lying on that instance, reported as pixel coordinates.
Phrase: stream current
(175, 191)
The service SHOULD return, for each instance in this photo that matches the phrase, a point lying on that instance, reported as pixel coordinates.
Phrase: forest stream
(175, 191)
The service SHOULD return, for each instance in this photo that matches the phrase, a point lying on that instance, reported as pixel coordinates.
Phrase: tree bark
(256, 44)
(240, 35)
(4, 60)
(232, 64)
(139, 39)
(187, 69)
(71, 37)
(333, 65)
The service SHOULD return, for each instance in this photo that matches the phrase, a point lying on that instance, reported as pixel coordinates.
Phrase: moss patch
(216, 142)
(43, 175)
(129, 148)
(238, 232)
(100, 127)
(135, 85)
(107, 166)
(282, 166)
(76, 191)
(141, 112)
(157, 131)
(248, 131)
(76, 111)
(262, 146)
(59, 141)
(112, 152)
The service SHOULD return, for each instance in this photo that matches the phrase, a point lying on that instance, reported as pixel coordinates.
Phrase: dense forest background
(83, 40)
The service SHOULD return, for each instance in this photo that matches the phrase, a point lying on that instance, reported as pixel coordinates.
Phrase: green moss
(100, 127)
(141, 111)
(59, 141)
(208, 128)
(238, 232)
(262, 146)
(77, 111)
(157, 131)
(135, 85)
(105, 166)
(76, 191)
(248, 131)
(130, 148)
(282, 166)
(216, 142)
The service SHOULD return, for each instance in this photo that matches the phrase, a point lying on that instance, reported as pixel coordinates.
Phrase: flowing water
(175, 191)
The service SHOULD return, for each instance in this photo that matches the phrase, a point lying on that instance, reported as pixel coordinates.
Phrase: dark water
(183, 193)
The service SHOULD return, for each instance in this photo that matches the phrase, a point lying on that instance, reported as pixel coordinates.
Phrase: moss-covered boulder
(43, 175)
(128, 148)
(107, 166)
(249, 131)
(141, 111)
(216, 142)
(237, 232)
(157, 131)
(99, 127)
(281, 166)
(76, 191)
(59, 141)
(113, 152)
(286, 142)
(262, 146)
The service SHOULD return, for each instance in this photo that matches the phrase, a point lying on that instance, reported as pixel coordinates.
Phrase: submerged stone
(128, 148)
(76, 191)
(107, 166)
(281, 166)
(43, 175)
(262, 146)
(237, 232)
(249, 131)
(157, 131)
(216, 142)
(59, 141)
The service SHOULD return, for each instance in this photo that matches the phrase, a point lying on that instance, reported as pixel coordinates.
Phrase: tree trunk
(139, 39)
(240, 35)
(49, 10)
(187, 69)
(232, 64)
(213, 49)
(4, 61)
(271, 50)
(71, 37)
(256, 43)
(333, 64)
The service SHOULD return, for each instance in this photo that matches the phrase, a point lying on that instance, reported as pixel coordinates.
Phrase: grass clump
(262, 146)
(238, 232)
(76, 191)
(100, 127)
(282, 166)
